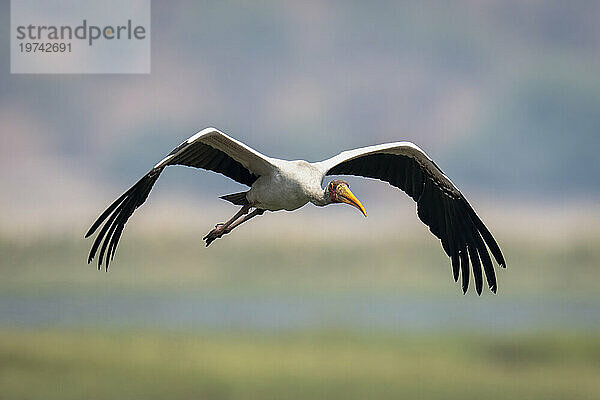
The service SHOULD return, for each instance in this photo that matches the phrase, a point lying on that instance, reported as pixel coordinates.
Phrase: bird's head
(339, 192)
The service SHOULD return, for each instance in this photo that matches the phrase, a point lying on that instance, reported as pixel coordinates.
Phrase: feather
(440, 205)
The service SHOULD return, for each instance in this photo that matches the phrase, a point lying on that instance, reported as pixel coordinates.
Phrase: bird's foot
(215, 234)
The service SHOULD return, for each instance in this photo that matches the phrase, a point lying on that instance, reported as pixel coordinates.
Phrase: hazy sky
(504, 94)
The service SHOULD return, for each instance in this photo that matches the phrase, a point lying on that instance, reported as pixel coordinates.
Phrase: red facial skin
(332, 189)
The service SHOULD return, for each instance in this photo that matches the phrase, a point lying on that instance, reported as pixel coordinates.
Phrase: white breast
(289, 187)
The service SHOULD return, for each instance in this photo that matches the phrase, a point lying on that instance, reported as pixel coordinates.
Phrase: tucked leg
(243, 219)
(220, 228)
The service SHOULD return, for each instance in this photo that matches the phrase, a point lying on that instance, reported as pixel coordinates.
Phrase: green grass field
(61, 362)
(135, 365)
(568, 267)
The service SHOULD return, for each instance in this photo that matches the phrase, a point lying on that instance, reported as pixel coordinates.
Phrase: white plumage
(277, 184)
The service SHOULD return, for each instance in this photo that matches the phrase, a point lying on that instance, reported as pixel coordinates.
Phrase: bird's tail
(116, 215)
(239, 199)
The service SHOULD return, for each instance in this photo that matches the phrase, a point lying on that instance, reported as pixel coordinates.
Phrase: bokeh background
(319, 303)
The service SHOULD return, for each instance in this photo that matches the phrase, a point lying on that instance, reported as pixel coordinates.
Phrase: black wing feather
(117, 214)
(464, 267)
(477, 273)
(443, 209)
(195, 154)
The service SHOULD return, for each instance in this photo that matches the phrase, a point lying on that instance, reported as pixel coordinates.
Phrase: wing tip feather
(115, 217)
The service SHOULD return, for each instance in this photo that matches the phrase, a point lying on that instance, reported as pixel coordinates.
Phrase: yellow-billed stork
(288, 185)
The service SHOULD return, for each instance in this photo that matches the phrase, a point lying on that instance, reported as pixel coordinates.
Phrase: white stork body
(296, 183)
(288, 185)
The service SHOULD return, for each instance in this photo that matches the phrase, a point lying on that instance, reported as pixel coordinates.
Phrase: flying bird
(277, 184)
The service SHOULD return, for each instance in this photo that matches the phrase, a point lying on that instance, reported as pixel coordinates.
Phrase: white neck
(322, 199)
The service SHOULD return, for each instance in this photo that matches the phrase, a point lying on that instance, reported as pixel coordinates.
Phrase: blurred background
(319, 303)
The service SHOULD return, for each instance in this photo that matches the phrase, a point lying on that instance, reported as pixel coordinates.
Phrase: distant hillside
(505, 94)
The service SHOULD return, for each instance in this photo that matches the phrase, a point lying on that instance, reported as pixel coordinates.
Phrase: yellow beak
(348, 197)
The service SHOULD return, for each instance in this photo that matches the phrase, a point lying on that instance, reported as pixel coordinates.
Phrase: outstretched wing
(440, 205)
(208, 149)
